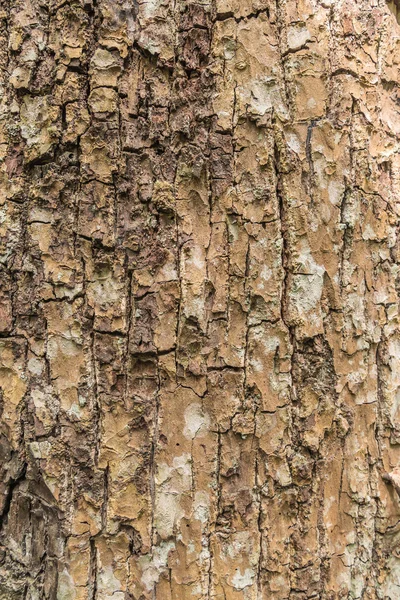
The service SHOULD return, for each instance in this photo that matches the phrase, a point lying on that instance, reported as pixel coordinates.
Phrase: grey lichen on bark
(199, 299)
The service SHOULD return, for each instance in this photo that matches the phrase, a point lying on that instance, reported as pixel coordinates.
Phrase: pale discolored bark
(199, 298)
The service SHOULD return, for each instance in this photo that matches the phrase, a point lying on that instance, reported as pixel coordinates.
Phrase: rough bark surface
(199, 299)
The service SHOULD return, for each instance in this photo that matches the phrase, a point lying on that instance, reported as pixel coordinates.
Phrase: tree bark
(199, 300)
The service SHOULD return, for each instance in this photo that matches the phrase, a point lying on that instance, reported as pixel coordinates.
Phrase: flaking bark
(199, 299)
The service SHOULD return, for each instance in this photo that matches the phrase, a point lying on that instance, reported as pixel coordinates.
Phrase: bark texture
(199, 299)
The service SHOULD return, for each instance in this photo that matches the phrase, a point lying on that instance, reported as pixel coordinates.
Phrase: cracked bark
(199, 292)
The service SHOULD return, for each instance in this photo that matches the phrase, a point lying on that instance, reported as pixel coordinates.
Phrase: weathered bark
(199, 299)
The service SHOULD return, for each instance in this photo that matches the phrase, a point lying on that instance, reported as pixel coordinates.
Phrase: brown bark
(199, 296)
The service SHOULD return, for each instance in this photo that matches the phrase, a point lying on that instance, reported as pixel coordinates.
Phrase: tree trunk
(199, 353)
